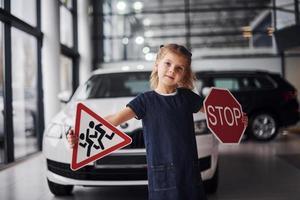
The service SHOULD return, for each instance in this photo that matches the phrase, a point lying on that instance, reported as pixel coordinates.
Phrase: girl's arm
(120, 117)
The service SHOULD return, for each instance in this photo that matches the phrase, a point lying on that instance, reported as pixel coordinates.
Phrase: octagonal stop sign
(224, 115)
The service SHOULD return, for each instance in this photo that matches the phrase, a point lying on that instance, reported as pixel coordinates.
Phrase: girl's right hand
(72, 139)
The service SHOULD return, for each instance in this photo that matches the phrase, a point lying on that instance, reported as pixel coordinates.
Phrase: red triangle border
(127, 140)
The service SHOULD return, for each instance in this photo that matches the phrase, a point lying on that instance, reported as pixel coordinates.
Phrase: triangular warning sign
(97, 138)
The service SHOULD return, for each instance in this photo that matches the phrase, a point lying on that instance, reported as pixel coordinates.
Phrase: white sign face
(94, 137)
(97, 138)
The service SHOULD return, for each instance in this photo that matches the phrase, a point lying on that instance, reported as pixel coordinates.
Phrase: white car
(106, 92)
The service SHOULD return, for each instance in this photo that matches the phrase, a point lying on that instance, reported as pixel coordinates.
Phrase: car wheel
(211, 185)
(263, 126)
(60, 190)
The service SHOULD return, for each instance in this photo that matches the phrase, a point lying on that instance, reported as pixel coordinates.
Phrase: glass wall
(24, 87)
(1, 94)
(66, 66)
(25, 10)
(68, 40)
(285, 13)
(299, 10)
(134, 30)
(66, 26)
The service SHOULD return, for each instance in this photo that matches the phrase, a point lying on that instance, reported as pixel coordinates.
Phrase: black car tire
(60, 190)
(263, 126)
(211, 185)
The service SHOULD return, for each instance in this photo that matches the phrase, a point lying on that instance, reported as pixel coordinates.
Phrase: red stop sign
(224, 115)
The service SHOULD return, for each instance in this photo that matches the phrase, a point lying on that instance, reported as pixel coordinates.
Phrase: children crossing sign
(97, 138)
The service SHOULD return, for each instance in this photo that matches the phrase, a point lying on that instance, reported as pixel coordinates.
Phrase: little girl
(168, 127)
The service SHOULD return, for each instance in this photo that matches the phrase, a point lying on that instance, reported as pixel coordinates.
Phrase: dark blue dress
(168, 126)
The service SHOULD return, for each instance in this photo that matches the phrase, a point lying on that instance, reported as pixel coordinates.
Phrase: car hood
(102, 107)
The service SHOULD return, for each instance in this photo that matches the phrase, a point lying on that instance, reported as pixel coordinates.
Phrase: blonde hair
(188, 78)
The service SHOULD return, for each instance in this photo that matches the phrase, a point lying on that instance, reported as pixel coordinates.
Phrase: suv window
(247, 83)
(244, 83)
(228, 83)
(115, 85)
(264, 83)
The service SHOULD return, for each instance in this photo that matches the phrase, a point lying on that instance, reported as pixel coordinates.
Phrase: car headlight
(201, 127)
(54, 130)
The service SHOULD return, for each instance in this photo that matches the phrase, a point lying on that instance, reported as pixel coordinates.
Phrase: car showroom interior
(158, 100)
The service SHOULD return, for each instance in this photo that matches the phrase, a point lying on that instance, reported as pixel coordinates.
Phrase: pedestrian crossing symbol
(96, 138)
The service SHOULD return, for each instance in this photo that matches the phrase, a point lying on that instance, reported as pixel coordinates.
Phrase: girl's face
(171, 70)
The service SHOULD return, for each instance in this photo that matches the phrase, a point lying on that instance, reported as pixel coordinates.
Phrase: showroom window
(22, 117)
(66, 23)
(69, 50)
(134, 30)
(24, 76)
(285, 13)
(65, 74)
(25, 10)
(1, 94)
(299, 11)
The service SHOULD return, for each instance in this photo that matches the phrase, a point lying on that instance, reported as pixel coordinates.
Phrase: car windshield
(114, 85)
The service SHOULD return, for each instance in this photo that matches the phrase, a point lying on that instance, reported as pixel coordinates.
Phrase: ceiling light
(146, 50)
(121, 6)
(246, 28)
(247, 31)
(125, 40)
(125, 68)
(137, 6)
(270, 31)
(148, 34)
(150, 56)
(140, 67)
(139, 40)
(146, 22)
(247, 34)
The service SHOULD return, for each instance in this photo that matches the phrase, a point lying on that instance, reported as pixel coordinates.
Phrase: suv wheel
(60, 190)
(263, 126)
(211, 185)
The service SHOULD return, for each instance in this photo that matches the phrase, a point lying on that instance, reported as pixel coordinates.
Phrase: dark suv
(268, 99)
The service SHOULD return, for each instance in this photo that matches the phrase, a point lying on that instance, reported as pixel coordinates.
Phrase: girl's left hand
(245, 120)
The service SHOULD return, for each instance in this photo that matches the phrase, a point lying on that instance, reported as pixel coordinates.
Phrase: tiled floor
(249, 171)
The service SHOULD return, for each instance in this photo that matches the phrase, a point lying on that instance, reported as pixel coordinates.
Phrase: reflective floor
(251, 170)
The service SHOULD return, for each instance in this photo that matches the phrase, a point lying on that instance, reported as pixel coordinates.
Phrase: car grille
(122, 161)
(137, 140)
(97, 174)
(109, 174)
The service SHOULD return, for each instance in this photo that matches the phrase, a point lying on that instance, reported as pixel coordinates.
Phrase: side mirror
(205, 91)
(64, 96)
